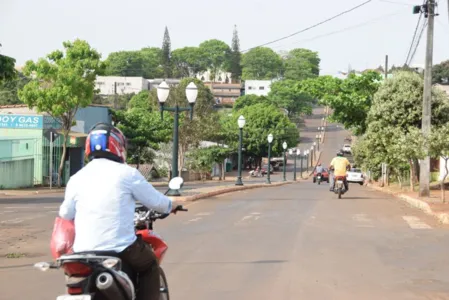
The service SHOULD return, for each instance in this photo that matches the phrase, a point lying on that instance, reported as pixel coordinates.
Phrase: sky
(30, 29)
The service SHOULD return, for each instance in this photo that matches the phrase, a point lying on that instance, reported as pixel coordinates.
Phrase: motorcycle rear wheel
(339, 193)
(164, 286)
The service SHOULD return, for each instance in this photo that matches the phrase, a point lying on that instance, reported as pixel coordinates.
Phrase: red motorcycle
(100, 275)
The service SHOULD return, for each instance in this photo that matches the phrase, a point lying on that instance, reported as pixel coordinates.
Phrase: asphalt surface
(292, 242)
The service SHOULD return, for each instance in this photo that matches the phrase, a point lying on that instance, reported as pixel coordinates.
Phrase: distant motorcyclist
(319, 168)
(339, 165)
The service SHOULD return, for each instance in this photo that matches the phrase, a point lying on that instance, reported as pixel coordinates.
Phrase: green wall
(21, 144)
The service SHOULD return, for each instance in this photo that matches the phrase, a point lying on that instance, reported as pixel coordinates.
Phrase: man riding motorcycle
(339, 165)
(101, 197)
(319, 168)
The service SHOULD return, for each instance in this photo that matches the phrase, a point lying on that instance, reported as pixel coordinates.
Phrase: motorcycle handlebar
(153, 215)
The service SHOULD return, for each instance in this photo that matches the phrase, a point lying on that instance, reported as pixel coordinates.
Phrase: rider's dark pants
(141, 258)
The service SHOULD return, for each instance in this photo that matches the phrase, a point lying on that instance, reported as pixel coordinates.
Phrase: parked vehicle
(347, 149)
(100, 275)
(265, 169)
(324, 176)
(256, 173)
(355, 176)
(339, 188)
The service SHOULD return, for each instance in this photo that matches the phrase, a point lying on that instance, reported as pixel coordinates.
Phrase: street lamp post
(301, 157)
(320, 138)
(270, 140)
(318, 141)
(162, 94)
(241, 122)
(284, 145)
(306, 153)
(311, 156)
(295, 154)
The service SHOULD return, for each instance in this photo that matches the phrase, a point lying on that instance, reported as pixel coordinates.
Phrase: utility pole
(386, 66)
(115, 95)
(424, 173)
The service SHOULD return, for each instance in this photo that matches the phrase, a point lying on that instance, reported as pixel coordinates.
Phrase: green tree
(188, 62)
(7, 70)
(124, 63)
(248, 100)
(261, 120)
(261, 64)
(192, 132)
(350, 99)
(398, 103)
(151, 59)
(287, 94)
(301, 64)
(145, 100)
(216, 55)
(440, 73)
(63, 83)
(141, 63)
(166, 54)
(439, 147)
(144, 130)
(9, 89)
(236, 57)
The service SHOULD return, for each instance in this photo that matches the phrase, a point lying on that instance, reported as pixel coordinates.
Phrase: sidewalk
(432, 205)
(207, 192)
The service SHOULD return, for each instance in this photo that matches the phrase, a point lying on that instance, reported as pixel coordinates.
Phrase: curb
(229, 190)
(415, 203)
(25, 193)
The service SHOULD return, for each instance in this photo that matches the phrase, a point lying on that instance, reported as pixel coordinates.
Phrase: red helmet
(106, 141)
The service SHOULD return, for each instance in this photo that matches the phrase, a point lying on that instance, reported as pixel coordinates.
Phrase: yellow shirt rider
(340, 165)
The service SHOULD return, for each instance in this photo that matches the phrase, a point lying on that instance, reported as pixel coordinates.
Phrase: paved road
(292, 242)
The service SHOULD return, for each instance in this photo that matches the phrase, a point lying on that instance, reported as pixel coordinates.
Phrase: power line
(313, 26)
(417, 43)
(343, 29)
(413, 39)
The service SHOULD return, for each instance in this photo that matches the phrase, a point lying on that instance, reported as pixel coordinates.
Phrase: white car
(355, 176)
(347, 149)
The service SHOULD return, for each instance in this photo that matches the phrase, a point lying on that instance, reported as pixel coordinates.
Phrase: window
(128, 83)
(261, 87)
(120, 83)
(250, 88)
(100, 83)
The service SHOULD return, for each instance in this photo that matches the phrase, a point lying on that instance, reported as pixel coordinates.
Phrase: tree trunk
(400, 181)
(412, 176)
(223, 170)
(64, 152)
(220, 176)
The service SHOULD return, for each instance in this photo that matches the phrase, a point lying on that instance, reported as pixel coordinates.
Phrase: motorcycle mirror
(176, 183)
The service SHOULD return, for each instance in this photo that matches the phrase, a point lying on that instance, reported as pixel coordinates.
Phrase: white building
(154, 83)
(257, 87)
(109, 85)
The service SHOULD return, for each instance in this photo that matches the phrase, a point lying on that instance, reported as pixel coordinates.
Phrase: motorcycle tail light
(76, 269)
(74, 290)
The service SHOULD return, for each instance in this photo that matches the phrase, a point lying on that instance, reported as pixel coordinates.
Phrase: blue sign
(21, 121)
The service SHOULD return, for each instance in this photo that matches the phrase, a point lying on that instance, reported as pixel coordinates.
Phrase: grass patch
(15, 255)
